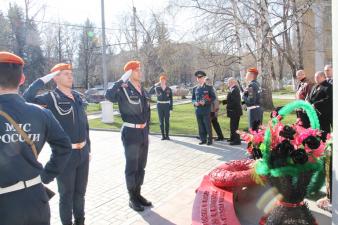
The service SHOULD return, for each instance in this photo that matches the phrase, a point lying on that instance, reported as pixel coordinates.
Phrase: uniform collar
(64, 95)
(10, 97)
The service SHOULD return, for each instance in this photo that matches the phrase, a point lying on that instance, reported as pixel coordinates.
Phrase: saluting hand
(49, 76)
(126, 75)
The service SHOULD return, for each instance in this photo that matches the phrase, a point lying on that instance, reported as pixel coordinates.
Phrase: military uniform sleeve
(113, 93)
(30, 94)
(193, 97)
(60, 146)
(251, 96)
(152, 90)
(88, 138)
(171, 98)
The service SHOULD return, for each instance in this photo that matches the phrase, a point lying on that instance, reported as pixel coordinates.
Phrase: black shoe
(134, 202)
(235, 143)
(167, 138)
(209, 143)
(202, 143)
(142, 199)
(219, 139)
(163, 138)
(135, 205)
(79, 221)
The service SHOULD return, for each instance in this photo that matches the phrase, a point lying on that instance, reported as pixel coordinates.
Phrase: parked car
(95, 95)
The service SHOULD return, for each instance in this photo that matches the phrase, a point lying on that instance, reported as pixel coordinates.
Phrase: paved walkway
(174, 170)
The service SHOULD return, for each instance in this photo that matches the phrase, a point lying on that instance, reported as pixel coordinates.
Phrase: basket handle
(287, 109)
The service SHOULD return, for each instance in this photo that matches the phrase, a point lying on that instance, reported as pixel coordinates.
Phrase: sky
(76, 12)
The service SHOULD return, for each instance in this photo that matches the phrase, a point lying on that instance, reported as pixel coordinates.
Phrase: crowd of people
(58, 117)
(206, 103)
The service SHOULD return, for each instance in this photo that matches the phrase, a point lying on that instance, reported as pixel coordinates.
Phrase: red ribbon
(290, 205)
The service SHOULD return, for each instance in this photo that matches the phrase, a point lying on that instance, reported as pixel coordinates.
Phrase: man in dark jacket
(24, 129)
(134, 105)
(252, 99)
(303, 90)
(68, 108)
(164, 104)
(202, 97)
(321, 99)
(234, 110)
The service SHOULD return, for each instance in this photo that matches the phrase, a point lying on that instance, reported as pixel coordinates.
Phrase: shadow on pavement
(153, 218)
(220, 148)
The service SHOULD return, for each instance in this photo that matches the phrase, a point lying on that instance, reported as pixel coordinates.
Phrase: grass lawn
(93, 107)
(288, 90)
(183, 120)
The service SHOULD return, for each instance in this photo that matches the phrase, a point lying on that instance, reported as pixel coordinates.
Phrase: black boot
(134, 203)
(163, 136)
(167, 136)
(141, 199)
(79, 221)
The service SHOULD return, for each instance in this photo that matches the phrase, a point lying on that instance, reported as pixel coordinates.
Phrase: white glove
(48, 77)
(126, 75)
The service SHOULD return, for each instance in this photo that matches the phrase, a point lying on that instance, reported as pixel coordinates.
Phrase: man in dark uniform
(234, 110)
(164, 104)
(134, 106)
(69, 109)
(202, 97)
(322, 100)
(252, 99)
(23, 198)
(303, 90)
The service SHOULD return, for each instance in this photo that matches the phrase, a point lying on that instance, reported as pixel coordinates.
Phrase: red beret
(7, 57)
(61, 66)
(132, 65)
(253, 70)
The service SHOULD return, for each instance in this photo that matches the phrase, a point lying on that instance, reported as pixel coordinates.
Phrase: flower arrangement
(290, 157)
(286, 149)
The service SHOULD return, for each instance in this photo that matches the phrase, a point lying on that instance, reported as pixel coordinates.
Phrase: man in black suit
(321, 99)
(234, 110)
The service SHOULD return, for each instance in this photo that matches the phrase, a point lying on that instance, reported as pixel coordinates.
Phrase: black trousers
(164, 115)
(135, 142)
(25, 207)
(72, 185)
(234, 123)
(204, 126)
(216, 126)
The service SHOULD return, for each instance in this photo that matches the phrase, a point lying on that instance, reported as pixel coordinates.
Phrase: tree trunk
(266, 100)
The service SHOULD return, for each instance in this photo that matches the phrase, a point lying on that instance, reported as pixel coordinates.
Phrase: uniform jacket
(134, 107)
(203, 93)
(252, 96)
(17, 161)
(71, 114)
(234, 107)
(162, 95)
